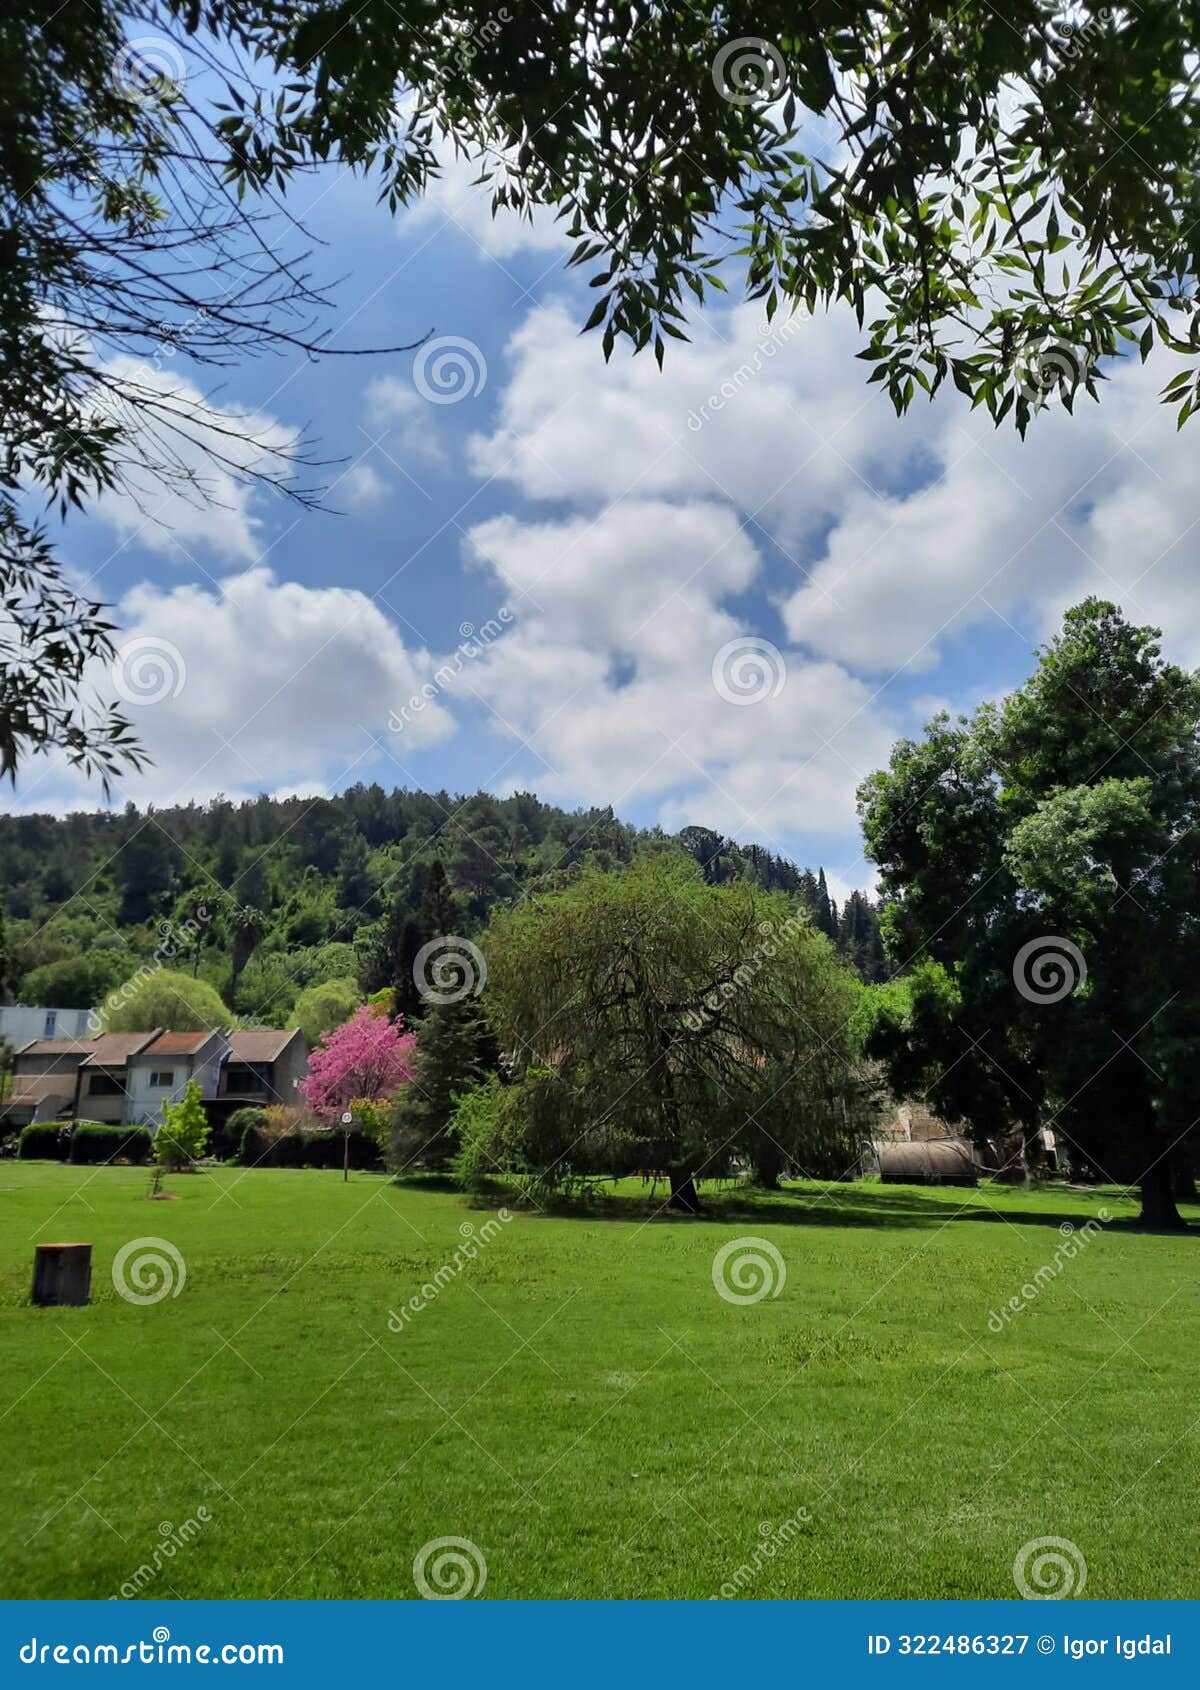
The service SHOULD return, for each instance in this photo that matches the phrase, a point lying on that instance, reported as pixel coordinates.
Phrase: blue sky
(727, 587)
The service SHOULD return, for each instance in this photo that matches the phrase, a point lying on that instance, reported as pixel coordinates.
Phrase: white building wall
(21, 1023)
(146, 1101)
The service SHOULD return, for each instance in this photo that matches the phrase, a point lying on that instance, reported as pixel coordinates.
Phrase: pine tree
(455, 1051)
(394, 960)
(825, 915)
(392, 964)
(354, 890)
(439, 914)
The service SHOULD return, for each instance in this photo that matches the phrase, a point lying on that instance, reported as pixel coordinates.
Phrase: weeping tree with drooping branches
(651, 1021)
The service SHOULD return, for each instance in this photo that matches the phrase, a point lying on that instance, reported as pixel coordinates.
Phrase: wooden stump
(62, 1275)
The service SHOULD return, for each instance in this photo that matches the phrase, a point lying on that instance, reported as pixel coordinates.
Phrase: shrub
(95, 1141)
(280, 1118)
(326, 1150)
(184, 1132)
(45, 1141)
(254, 1142)
(262, 1148)
(226, 1140)
(306, 1150)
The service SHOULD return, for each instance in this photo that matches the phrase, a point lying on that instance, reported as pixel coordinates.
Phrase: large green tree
(653, 1021)
(160, 997)
(1003, 195)
(1039, 866)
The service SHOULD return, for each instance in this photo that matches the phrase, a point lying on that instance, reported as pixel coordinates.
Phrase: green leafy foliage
(45, 1141)
(1039, 864)
(652, 1020)
(183, 1135)
(182, 903)
(95, 1142)
(320, 1008)
(1004, 199)
(163, 998)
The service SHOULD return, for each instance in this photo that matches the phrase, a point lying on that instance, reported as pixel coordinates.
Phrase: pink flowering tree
(368, 1056)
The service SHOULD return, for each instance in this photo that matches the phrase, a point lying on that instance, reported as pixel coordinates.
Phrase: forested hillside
(268, 898)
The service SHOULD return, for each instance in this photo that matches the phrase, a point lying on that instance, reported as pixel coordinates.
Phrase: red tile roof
(175, 1044)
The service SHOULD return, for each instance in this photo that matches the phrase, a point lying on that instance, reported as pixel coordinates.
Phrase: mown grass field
(581, 1404)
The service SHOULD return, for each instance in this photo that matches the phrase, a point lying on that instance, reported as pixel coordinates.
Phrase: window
(104, 1085)
(241, 1080)
(162, 1077)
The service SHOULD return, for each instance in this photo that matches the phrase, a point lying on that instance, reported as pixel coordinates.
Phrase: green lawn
(581, 1404)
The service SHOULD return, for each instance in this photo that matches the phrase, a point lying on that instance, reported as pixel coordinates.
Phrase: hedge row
(93, 1142)
(307, 1150)
(86, 1142)
(47, 1141)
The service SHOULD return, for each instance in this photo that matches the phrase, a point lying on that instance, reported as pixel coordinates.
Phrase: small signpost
(62, 1275)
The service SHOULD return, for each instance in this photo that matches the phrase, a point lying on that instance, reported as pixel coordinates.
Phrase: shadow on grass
(870, 1205)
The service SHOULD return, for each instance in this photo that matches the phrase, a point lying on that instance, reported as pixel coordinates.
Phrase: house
(43, 1081)
(125, 1078)
(264, 1066)
(50, 1076)
(22, 1023)
(162, 1069)
(100, 1092)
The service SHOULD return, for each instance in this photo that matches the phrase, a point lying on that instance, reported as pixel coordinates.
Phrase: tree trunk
(1159, 1213)
(684, 1197)
(345, 1155)
(62, 1275)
